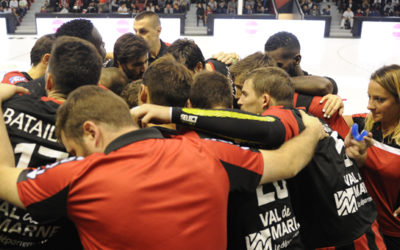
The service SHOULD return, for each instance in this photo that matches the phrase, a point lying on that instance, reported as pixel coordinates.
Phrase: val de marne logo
(346, 202)
(259, 241)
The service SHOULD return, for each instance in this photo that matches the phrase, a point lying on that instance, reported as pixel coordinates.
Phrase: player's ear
(45, 59)
(143, 95)
(189, 104)
(297, 59)
(266, 101)
(49, 81)
(199, 67)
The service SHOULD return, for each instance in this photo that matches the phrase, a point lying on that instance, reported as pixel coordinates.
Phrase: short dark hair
(42, 46)
(274, 81)
(148, 14)
(282, 39)
(130, 93)
(168, 82)
(74, 62)
(211, 89)
(81, 28)
(114, 79)
(91, 103)
(129, 47)
(186, 52)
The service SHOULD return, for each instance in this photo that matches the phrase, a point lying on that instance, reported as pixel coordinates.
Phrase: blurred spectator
(207, 12)
(13, 4)
(162, 4)
(213, 4)
(200, 14)
(150, 6)
(359, 12)
(221, 8)
(252, 3)
(183, 6)
(133, 8)
(347, 16)
(77, 7)
(123, 9)
(4, 4)
(232, 4)
(258, 6)
(102, 7)
(248, 10)
(1, 9)
(157, 9)
(365, 5)
(231, 10)
(43, 9)
(23, 7)
(168, 9)
(306, 10)
(176, 9)
(388, 10)
(114, 5)
(62, 9)
(327, 10)
(92, 8)
(367, 12)
(315, 10)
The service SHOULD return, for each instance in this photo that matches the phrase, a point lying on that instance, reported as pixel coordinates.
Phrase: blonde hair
(389, 78)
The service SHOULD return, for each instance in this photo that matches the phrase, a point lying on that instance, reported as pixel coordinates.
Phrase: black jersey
(36, 87)
(30, 123)
(264, 218)
(329, 197)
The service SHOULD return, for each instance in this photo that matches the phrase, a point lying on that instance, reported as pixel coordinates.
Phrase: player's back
(30, 123)
(329, 196)
(148, 192)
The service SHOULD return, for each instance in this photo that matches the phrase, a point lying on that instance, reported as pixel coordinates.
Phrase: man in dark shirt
(147, 25)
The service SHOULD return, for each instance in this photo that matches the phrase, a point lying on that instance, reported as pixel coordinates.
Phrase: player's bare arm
(8, 173)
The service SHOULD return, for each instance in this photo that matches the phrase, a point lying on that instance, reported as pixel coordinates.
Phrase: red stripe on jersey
(363, 115)
(50, 99)
(287, 118)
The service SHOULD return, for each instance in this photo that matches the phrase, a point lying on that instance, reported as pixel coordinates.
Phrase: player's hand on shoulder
(8, 90)
(332, 104)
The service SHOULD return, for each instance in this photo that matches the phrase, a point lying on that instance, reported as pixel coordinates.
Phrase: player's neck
(57, 96)
(36, 71)
(154, 53)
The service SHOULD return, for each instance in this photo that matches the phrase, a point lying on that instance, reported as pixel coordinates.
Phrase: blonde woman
(381, 163)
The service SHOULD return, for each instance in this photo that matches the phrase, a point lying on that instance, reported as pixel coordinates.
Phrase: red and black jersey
(260, 218)
(313, 106)
(382, 177)
(30, 123)
(145, 192)
(329, 197)
(15, 77)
